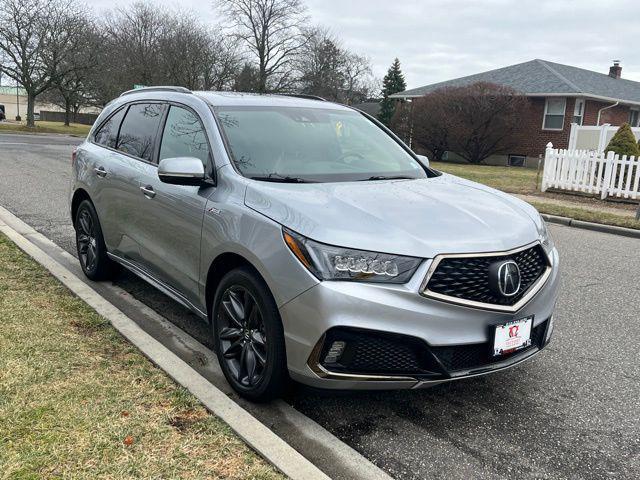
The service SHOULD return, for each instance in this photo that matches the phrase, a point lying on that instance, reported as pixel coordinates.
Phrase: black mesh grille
(465, 357)
(376, 352)
(371, 352)
(468, 278)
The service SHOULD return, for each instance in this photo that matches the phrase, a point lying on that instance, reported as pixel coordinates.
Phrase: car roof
(234, 99)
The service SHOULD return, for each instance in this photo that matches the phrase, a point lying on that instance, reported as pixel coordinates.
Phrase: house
(559, 95)
(13, 101)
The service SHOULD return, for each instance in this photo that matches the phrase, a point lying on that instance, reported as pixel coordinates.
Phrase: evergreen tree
(393, 83)
(623, 142)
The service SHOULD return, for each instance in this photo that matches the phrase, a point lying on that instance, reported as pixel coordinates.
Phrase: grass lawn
(507, 179)
(46, 127)
(587, 215)
(78, 401)
(523, 181)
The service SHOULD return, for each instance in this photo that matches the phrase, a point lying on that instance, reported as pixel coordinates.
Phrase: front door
(172, 215)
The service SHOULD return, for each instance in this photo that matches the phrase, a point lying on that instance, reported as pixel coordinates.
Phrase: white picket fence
(591, 172)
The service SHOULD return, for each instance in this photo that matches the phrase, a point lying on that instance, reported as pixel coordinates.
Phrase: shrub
(624, 142)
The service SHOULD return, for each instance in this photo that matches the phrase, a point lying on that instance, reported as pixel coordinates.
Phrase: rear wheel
(92, 251)
(249, 336)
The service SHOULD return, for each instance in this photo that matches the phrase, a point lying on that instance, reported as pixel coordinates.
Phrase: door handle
(100, 171)
(148, 191)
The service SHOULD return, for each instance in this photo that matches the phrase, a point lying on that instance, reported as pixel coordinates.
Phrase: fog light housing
(335, 352)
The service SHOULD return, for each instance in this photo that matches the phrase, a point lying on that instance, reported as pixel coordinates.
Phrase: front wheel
(249, 336)
(92, 251)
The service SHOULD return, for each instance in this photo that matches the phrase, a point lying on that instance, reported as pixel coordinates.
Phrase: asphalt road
(573, 412)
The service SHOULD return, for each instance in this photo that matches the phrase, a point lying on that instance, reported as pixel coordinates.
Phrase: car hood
(420, 218)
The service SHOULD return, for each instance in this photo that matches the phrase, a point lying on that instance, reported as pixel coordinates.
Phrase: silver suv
(315, 243)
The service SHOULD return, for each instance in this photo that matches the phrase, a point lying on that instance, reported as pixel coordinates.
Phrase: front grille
(369, 352)
(467, 357)
(467, 278)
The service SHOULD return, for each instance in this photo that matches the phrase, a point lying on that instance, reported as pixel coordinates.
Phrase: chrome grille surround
(532, 289)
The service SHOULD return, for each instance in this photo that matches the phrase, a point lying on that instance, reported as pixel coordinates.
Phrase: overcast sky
(439, 40)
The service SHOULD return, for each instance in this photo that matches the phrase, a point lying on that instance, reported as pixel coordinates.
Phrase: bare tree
(359, 84)
(36, 40)
(321, 63)
(329, 70)
(272, 33)
(474, 121)
(222, 63)
(134, 37)
(71, 89)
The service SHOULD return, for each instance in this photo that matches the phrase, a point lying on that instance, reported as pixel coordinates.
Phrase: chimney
(615, 71)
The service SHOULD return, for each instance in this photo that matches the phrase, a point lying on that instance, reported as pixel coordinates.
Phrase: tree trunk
(31, 100)
(67, 112)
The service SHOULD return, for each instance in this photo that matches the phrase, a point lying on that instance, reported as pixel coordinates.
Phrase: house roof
(372, 108)
(543, 78)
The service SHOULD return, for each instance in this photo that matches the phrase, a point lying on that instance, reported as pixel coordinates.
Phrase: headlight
(545, 237)
(334, 263)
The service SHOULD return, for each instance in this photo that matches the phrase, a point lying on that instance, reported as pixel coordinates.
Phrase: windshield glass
(312, 145)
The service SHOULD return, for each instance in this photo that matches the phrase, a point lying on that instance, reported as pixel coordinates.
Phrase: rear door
(133, 159)
(114, 186)
(172, 218)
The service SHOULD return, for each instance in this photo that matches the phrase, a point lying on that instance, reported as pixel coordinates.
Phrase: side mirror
(424, 160)
(181, 171)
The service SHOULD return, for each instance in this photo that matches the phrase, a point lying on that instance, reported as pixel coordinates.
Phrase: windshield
(312, 145)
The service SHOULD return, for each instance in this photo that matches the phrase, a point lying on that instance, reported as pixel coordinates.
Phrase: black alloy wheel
(86, 237)
(92, 251)
(242, 337)
(248, 336)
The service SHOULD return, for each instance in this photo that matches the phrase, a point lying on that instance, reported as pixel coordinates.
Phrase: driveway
(572, 412)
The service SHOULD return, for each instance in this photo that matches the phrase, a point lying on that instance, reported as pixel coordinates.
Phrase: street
(571, 412)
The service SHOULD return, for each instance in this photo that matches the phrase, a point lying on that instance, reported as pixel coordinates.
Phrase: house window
(578, 111)
(634, 117)
(516, 160)
(554, 113)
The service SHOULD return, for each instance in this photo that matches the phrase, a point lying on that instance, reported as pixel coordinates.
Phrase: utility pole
(17, 104)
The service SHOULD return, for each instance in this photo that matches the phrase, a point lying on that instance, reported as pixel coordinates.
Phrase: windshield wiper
(276, 177)
(387, 177)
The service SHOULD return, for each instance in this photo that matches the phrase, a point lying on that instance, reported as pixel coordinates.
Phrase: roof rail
(303, 95)
(157, 89)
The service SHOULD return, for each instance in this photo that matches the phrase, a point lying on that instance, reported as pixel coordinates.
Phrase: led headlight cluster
(545, 237)
(328, 262)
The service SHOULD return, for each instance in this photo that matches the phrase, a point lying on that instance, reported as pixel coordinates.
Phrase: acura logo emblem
(508, 278)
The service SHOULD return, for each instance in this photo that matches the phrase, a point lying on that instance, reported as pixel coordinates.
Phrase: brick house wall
(532, 139)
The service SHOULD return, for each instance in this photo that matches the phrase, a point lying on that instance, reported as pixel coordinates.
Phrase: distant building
(559, 96)
(8, 98)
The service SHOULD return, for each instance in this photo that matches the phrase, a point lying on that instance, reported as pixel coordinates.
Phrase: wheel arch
(78, 196)
(220, 266)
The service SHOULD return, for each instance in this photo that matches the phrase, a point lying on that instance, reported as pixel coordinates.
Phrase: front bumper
(400, 310)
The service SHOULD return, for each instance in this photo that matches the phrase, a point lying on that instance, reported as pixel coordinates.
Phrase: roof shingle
(543, 77)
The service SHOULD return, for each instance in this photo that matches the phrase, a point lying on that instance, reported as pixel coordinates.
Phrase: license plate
(512, 336)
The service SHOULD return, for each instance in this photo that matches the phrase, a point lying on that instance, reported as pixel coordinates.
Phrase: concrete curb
(598, 227)
(254, 433)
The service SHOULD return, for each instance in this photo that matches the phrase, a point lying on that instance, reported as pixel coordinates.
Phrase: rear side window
(139, 129)
(107, 134)
(184, 136)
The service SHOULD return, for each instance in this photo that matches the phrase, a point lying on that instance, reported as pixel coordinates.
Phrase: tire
(250, 347)
(92, 251)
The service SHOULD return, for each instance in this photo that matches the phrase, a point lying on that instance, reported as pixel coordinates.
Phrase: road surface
(573, 412)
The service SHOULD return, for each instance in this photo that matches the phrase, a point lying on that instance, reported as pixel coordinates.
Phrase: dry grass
(46, 127)
(507, 179)
(77, 401)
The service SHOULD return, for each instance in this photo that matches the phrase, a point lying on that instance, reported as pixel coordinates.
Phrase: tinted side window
(107, 134)
(184, 136)
(139, 128)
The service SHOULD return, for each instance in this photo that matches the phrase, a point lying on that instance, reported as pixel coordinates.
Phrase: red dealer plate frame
(512, 336)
